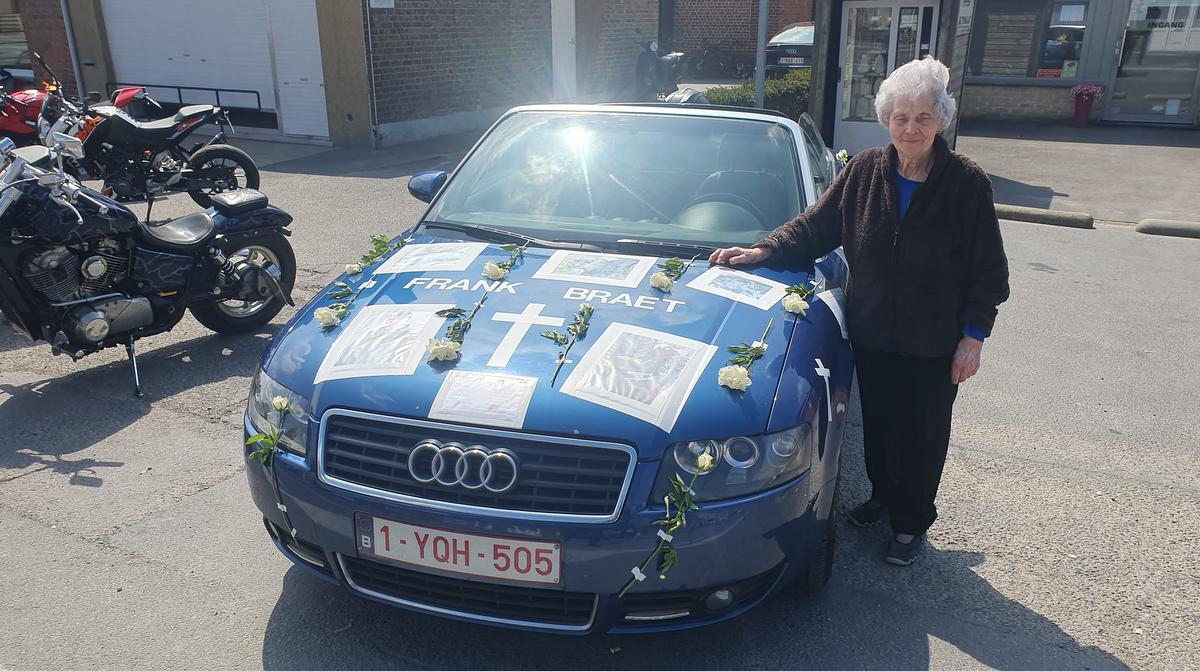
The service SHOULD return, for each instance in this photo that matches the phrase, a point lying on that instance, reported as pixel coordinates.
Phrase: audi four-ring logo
(473, 467)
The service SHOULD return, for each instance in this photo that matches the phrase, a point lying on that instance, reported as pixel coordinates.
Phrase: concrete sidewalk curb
(1038, 215)
(1178, 229)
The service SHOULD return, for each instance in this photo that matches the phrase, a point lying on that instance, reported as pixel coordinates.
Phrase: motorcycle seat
(185, 231)
(192, 110)
(232, 203)
(150, 132)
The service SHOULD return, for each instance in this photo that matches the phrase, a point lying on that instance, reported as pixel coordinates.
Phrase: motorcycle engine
(72, 274)
(67, 273)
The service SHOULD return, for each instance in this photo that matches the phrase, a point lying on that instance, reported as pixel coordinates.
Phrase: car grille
(564, 478)
(470, 598)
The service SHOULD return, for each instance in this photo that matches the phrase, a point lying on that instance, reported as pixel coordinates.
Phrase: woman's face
(912, 126)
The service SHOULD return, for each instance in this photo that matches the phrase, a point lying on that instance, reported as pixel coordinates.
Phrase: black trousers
(907, 403)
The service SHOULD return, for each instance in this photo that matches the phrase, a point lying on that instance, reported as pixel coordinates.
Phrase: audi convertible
(539, 407)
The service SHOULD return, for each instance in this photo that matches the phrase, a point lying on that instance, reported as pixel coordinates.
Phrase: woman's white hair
(915, 80)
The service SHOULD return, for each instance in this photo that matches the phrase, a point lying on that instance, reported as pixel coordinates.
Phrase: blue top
(906, 188)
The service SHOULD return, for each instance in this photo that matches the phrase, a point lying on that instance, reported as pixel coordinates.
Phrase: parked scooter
(717, 61)
(82, 272)
(137, 160)
(657, 75)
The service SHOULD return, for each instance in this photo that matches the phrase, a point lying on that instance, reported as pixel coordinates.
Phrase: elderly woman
(927, 272)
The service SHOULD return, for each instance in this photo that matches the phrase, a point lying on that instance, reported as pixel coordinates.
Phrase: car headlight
(294, 429)
(744, 465)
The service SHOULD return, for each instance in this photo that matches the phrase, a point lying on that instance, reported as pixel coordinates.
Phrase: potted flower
(1084, 95)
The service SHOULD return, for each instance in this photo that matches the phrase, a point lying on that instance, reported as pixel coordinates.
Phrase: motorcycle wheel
(271, 250)
(240, 170)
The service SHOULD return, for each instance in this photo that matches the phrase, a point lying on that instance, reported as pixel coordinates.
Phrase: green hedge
(788, 94)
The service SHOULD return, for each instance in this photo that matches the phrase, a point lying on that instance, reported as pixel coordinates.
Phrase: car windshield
(599, 177)
(794, 35)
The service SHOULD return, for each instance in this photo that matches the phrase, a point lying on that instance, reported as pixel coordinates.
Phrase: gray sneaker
(903, 554)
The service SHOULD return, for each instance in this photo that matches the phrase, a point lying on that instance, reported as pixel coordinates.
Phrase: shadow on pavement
(871, 615)
(388, 162)
(1011, 192)
(1161, 136)
(93, 404)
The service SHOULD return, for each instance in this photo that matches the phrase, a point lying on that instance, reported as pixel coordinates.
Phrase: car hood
(708, 410)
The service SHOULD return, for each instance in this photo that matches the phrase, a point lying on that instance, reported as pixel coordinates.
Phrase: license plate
(494, 557)
(791, 61)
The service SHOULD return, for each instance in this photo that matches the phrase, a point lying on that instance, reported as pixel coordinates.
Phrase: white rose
(280, 403)
(493, 271)
(795, 304)
(353, 268)
(759, 345)
(734, 377)
(661, 282)
(443, 349)
(705, 461)
(326, 317)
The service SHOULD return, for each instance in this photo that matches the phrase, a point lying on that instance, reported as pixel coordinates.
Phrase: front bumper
(752, 545)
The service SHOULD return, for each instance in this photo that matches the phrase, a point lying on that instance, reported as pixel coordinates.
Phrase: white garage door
(224, 44)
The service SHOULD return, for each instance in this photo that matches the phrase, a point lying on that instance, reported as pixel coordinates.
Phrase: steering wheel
(732, 199)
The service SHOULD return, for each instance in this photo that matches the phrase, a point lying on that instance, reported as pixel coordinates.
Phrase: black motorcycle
(137, 160)
(82, 272)
(657, 75)
(722, 60)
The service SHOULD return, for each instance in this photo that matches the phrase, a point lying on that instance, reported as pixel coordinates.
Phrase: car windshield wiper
(501, 235)
(659, 246)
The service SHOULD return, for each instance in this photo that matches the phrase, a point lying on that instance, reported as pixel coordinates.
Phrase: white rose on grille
(795, 304)
(326, 317)
(493, 271)
(353, 268)
(661, 282)
(734, 377)
(443, 349)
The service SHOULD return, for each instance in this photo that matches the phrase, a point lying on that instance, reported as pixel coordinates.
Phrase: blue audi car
(538, 407)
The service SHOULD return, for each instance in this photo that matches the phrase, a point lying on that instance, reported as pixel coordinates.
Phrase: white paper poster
(490, 399)
(640, 372)
(835, 298)
(444, 256)
(617, 270)
(381, 340)
(740, 286)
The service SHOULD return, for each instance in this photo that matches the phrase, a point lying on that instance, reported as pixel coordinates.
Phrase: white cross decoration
(825, 373)
(521, 321)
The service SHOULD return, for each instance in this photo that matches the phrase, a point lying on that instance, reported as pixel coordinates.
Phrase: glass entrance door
(877, 36)
(1158, 74)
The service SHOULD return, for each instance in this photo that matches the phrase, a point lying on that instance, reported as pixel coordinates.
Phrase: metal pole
(760, 58)
(66, 12)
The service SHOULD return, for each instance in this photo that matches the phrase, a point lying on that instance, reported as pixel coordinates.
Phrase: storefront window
(14, 52)
(1028, 38)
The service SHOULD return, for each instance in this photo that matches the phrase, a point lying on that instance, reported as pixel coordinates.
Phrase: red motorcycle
(19, 112)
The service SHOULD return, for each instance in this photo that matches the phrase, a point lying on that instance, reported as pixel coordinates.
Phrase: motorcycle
(82, 272)
(721, 60)
(19, 112)
(657, 75)
(138, 160)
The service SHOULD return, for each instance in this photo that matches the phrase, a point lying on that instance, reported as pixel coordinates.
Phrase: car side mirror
(70, 145)
(425, 185)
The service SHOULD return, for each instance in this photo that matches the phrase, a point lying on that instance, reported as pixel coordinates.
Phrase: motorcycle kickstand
(149, 206)
(131, 350)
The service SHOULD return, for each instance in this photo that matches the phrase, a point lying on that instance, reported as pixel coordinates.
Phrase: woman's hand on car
(740, 256)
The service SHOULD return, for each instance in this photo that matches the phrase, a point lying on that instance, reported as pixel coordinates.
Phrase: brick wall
(606, 43)
(46, 34)
(1003, 103)
(433, 57)
(716, 20)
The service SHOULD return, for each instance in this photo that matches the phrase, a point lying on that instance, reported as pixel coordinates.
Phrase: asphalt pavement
(1069, 507)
